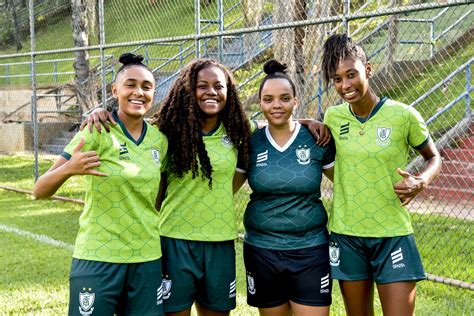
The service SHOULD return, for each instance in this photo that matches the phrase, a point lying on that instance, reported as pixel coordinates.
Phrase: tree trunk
(16, 27)
(85, 87)
(392, 44)
(253, 10)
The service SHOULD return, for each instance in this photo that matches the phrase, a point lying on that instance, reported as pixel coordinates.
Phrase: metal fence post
(102, 53)
(34, 109)
(197, 25)
(468, 90)
(221, 28)
(346, 10)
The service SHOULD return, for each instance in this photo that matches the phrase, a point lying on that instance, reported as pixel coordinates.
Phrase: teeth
(348, 94)
(136, 102)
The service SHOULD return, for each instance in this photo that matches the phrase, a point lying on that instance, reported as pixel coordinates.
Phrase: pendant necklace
(362, 126)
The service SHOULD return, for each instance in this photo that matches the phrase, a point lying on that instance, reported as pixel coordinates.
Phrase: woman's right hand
(97, 118)
(83, 162)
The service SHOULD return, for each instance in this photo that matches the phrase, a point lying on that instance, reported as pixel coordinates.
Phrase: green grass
(34, 275)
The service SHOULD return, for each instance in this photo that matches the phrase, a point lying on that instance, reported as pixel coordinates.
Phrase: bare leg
(397, 298)
(358, 297)
(282, 310)
(202, 311)
(304, 310)
(186, 312)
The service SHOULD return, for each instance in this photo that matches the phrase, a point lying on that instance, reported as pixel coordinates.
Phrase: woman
(371, 232)
(286, 241)
(116, 266)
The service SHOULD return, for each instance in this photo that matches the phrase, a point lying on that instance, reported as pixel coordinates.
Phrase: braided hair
(275, 70)
(337, 48)
(181, 120)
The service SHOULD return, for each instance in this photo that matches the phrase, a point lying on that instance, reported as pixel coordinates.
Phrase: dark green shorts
(103, 288)
(198, 271)
(384, 260)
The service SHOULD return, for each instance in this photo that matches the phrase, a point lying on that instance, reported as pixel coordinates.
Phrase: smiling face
(211, 91)
(277, 101)
(351, 81)
(134, 89)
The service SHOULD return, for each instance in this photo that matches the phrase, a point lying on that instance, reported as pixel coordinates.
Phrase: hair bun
(274, 66)
(130, 59)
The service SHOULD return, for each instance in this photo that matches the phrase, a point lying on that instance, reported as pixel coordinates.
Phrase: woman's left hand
(409, 187)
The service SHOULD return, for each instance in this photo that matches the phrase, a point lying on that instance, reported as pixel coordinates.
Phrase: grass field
(34, 272)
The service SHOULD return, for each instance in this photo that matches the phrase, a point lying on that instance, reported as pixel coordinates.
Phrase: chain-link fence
(58, 59)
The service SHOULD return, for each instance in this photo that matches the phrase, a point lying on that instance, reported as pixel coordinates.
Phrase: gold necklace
(362, 126)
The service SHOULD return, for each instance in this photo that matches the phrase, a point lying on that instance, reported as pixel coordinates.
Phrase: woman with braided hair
(116, 270)
(371, 233)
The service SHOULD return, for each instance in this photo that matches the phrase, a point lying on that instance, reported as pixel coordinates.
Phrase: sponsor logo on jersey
(383, 136)
(303, 153)
(155, 153)
(261, 158)
(86, 302)
(159, 295)
(232, 287)
(397, 256)
(344, 129)
(226, 141)
(250, 284)
(334, 253)
(166, 284)
(325, 284)
(123, 151)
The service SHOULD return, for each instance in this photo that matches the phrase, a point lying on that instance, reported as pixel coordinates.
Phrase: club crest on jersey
(250, 284)
(155, 153)
(226, 141)
(303, 154)
(334, 253)
(383, 135)
(166, 284)
(86, 302)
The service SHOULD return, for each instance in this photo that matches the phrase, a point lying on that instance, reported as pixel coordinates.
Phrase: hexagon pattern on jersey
(365, 203)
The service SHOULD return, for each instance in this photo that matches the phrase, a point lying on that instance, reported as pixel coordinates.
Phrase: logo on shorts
(262, 158)
(334, 254)
(250, 284)
(303, 153)
(166, 285)
(397, 256)
(232, 287)
(324, 284)
(383, 136)
(159, 295)
(86, 302)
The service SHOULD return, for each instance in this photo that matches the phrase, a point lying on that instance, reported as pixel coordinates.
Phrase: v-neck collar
(288, 143)
(213, 130)
(127, 134)
(375, 110)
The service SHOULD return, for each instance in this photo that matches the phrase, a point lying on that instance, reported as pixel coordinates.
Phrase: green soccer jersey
(365, 203)
(119, 223)
(285, 211)
(193, 211)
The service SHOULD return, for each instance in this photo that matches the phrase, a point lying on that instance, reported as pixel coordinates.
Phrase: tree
(84, 79)
(10, 4)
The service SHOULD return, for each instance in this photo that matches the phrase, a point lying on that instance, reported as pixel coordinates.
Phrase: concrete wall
(18, 137)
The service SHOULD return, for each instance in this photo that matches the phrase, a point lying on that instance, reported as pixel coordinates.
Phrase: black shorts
(275, 277)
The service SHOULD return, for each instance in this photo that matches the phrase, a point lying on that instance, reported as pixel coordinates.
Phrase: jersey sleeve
(418, 133)
(90, 139)
(329, 155)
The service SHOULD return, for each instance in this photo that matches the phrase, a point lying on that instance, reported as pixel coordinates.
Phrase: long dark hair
(181, 120)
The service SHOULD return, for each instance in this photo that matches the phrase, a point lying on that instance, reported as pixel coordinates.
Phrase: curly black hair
(181, 120)
(337, 48)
